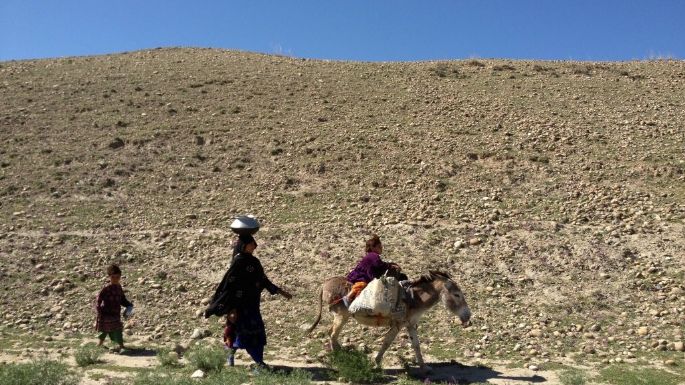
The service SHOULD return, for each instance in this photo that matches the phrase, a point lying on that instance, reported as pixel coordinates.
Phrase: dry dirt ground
(552, 191)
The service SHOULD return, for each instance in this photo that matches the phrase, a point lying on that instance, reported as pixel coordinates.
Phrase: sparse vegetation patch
(37, 373)
(354, 366)
(628, 375)
(207, 358)
(88, 354)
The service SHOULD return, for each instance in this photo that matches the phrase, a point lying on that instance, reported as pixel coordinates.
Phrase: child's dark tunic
(108, 305)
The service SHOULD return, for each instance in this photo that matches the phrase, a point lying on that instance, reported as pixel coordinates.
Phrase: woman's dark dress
(241, 289)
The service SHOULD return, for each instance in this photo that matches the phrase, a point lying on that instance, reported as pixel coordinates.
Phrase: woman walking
(240, 291)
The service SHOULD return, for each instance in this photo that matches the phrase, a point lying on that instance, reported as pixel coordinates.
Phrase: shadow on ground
(456, 373)
(138, 352)
(447, 372)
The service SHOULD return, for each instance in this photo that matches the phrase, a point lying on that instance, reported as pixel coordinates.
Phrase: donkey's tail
(318, 318)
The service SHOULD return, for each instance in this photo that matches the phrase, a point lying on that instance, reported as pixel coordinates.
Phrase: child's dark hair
(372, 242)
(113, 269)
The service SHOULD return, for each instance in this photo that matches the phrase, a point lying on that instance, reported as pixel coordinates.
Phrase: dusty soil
(552, 191)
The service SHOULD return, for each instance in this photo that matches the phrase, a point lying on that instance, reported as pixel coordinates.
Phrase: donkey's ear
(440, 273)
(433, 274)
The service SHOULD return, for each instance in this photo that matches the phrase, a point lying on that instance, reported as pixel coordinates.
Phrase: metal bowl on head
(245, 224)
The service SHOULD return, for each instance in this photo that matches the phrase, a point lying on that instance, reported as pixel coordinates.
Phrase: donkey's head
(450, 295)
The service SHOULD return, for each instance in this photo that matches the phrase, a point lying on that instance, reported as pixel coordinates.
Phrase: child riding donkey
(369, 267)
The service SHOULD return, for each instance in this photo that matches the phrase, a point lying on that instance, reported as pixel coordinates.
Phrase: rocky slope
(553, 192)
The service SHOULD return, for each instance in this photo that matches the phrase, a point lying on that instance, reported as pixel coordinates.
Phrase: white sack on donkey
(381, 297)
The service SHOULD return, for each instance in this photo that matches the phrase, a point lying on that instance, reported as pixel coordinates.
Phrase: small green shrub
(504, 67)
(161, 378)
(578, 69)
(573, 377)
(296, 377)
(443, 70)
(37, 373)
(207, 358)
(354, 366)
(88, 354)
(230, 376)
(475, 63)
(539, 68)
(167, 358)
(622, 375)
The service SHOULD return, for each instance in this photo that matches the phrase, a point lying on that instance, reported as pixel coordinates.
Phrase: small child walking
(230, 334)
(108, 306)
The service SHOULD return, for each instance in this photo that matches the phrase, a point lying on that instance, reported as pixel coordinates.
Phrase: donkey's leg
(339, 320)
(389, 337)
(414, 336)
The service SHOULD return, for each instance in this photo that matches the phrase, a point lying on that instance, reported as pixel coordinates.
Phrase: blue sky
(365, 30)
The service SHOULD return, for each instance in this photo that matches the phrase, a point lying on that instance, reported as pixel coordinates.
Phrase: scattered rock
(181, 348)
(199, 334)
(305, 326)
(116, 144)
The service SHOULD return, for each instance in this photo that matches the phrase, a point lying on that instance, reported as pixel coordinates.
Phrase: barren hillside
(552, 191)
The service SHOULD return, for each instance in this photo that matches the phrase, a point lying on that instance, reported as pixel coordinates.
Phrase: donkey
(424, 293)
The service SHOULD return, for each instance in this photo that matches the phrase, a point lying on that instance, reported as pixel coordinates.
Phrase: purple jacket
(368, 268)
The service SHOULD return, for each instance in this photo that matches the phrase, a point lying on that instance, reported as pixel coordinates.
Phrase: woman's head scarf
(241, 242)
